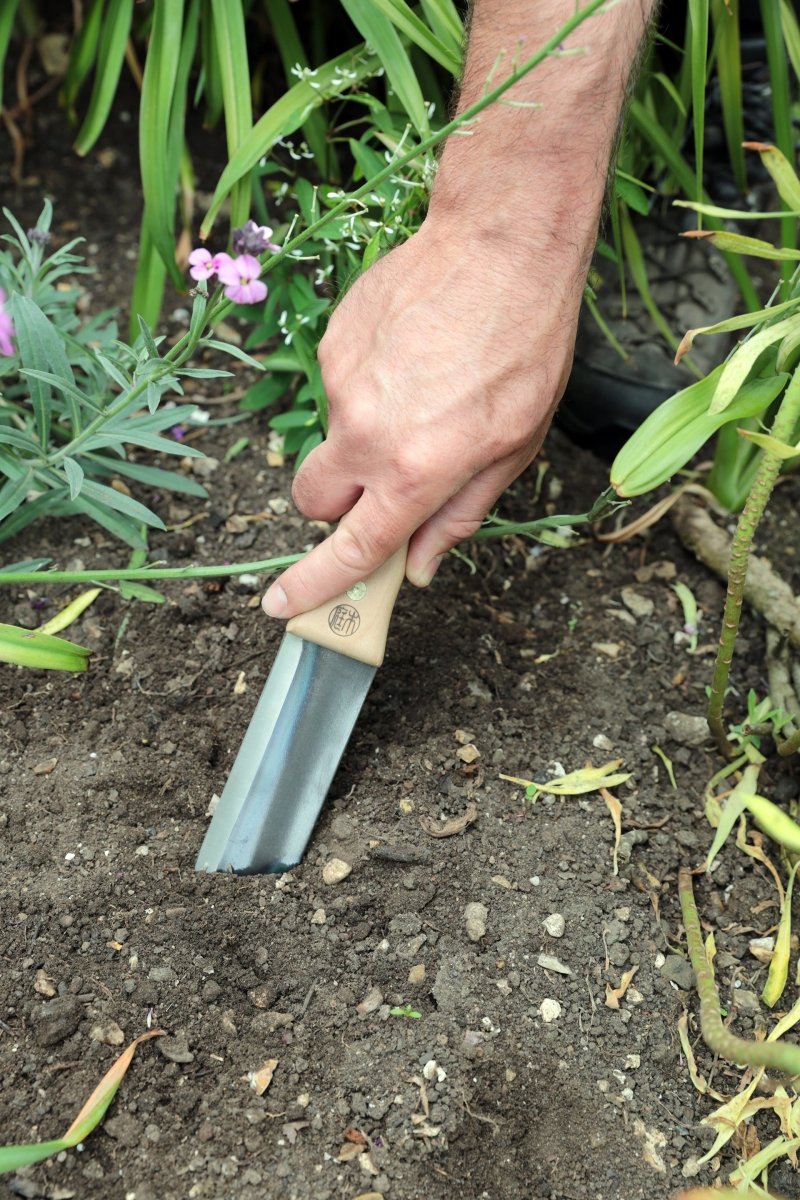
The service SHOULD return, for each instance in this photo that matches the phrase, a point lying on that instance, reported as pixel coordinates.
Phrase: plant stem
(775, 1056)
(783, 427)
(790, 745)
(145, 574)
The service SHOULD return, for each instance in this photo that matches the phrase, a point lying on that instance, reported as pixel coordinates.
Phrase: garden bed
(536, 657)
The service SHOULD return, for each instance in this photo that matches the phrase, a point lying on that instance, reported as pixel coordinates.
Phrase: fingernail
(427, 573)
(275, 601)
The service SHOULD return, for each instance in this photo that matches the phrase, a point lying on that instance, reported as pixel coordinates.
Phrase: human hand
(443, 365)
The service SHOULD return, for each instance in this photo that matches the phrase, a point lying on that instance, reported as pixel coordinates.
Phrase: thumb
(364, 539)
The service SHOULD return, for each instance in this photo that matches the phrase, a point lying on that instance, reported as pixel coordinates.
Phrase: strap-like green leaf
(286, 116)
(158, 86)
(27, 648)
(403, 16)
(82, 53)
(234, 69)
(8, 10)
(381, 35)
(113, 38)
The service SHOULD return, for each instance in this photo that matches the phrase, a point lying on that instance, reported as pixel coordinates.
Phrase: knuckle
(359, 552)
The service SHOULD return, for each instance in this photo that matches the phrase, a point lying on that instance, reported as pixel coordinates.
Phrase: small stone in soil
(685, 729)
(56, 1020)
(550, 1010)
(555, 925)
(475, 915)
(335, 870)
(175, 1049)
(679, 971)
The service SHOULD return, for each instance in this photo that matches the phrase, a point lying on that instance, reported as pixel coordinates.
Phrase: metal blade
(287, 760)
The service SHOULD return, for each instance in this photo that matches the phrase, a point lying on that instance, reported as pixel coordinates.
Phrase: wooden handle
(357, 622)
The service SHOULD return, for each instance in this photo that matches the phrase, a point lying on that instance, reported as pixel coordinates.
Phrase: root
(764, 589)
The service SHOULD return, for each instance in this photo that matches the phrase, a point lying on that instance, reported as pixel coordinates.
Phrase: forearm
(534, 177)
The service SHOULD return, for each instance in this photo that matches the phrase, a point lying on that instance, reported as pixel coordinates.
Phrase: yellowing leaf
(587, 779)
(697, 1079)
(63, 619)
(90, 1115)
(770, 444)
(779, 966)
(614, 995)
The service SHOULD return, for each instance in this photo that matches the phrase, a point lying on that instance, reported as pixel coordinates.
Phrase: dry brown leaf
(260, 1080)
(443, 829)
(351, 1134)
(350, 1151)
(615, 808)
(614, 995)
(45, 768)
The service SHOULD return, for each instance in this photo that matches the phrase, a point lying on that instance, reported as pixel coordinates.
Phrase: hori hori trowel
(310, 703)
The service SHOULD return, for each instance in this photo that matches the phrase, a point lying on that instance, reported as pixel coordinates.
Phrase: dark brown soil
(533, 654)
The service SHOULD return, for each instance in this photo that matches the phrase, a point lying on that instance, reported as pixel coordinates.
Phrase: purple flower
(240, 276)
(203, 264)
(7, 328)
(178, 432)
(252, 239)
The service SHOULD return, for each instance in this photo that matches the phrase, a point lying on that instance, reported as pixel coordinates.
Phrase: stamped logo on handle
(344, 620)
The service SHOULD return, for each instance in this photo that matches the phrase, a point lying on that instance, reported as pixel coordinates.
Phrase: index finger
(364, 539)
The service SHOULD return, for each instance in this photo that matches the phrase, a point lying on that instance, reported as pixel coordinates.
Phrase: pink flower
(203, 264)
(7, 329)
(240, 275)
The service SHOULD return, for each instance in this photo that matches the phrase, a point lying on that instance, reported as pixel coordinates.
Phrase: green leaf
(286, 116)
(82, 53)
(743, 321)
(290, 48)
(738, 243)
(632, 195)
(13, 493)
(742, 361)
(114, 34)
(234, 71)
(74, 474)
(381, 35)
(263, 393)
(28, 648)
(312, 441)
(158, 180)
(155, 477)
(234, 352)
(293, 420)
(109, 497)
(130, 590)
(147, 337)
(8, 11)
(41, 348)
(676, 430)
(403, 16)
(729, 74)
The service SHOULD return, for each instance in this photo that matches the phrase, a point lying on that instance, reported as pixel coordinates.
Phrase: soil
(538, 657)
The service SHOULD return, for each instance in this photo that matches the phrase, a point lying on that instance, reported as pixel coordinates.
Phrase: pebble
(175, 1049)
(417, 973)
(319, 917)
(162, 975)
(555, 925)
(475, 915)
(679, 971)
(640, 606)
(335, 870)
(211, 990)
(550, 1010)
(56, 1020)
(342, 828)
(685, 729)
(107, 1032)
(601, 742)
(371, 1002)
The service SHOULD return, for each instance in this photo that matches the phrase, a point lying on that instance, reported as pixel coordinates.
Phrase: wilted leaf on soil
(697, 1079)
(261, 1079)
(576, 783)
(779, 966)
(615, 808)
(443, 829)
(92, 1113)
(777, 1148)
(614, 995)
